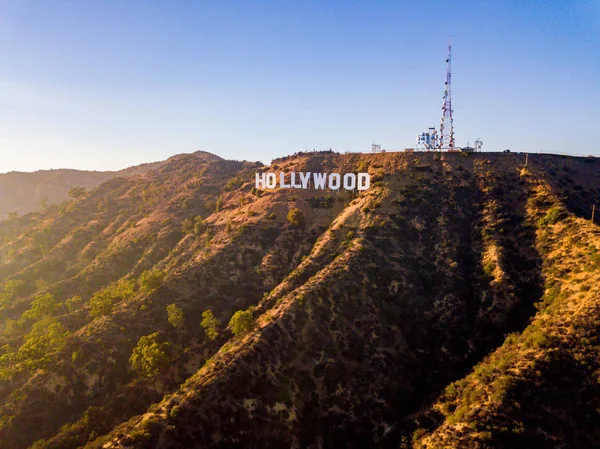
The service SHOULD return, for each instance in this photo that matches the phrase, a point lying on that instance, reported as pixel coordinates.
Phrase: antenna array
(446, 139)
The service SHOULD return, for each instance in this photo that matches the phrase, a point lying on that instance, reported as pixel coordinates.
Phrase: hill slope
(21, 192)
(424, 312)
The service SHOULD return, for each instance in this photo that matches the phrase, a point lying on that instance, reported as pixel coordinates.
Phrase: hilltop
(452, 304)
(23, 192)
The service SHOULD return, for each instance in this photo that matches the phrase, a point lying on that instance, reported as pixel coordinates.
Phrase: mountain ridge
(367, 306)
(24, 192)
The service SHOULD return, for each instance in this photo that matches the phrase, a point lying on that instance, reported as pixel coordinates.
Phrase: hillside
(453, 304)
(22, 192)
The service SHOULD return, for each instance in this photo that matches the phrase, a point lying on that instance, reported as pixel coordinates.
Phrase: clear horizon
(107, 85)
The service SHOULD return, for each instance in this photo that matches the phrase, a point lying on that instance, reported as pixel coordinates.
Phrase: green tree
(14, 287)
(77, 192)
(14, 328)
(151, 279)
(8, 361)
(11, 290)
(43, 305)
(4, 300)
(295, 217)
(74, 303)
(150, 356)
(103, 301)
(175, 316)
(46, 337)
(210, 324)
(241, 323)
(101, 304)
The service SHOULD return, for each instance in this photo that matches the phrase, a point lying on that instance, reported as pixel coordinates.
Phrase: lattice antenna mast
(447, 126)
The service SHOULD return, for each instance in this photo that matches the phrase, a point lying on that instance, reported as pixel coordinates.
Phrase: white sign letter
(334, 177)
(349, 181)
(293, 182)
(305, 178)
(260, 180)
(271, 180)
(282, 183)
(364, 181)
(319, 179)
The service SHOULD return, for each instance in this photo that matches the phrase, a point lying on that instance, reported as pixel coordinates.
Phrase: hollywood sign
(302, 180)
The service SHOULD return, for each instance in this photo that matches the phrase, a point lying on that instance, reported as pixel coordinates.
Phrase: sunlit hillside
(21, 193)
(452, 304)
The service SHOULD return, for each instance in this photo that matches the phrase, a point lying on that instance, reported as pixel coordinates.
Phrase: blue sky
(108, 84)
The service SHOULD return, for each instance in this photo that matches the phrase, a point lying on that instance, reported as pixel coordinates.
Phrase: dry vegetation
(453, 304)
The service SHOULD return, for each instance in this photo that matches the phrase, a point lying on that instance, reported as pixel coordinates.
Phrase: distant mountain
(454, 304)
(23, 192)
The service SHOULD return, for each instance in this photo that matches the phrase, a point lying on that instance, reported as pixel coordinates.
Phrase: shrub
(77, 192)
(42, 305)
(175, 316)
(46, 336)
(187, 226)
(210, 324)
(101, 304)
(209, 205)
(150, 357)
(10, 290)
(241, 323)
(14, 288)
(322, 202)
(219, 204)
(242, 230)
(74, 303)
(553, 216)
(151, 279)
(103, 301)
(296, 217)
(209, 237)
(233, 184)
(198, 225)
(489, 268)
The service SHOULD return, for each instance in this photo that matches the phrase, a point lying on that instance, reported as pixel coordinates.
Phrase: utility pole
(526, 159)
(593, 212)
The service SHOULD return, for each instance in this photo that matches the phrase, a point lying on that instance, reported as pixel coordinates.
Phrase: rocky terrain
(454, 304)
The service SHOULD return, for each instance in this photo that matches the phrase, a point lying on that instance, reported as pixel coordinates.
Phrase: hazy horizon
(247, 160)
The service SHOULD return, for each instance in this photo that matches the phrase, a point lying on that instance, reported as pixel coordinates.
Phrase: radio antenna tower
(446, 139)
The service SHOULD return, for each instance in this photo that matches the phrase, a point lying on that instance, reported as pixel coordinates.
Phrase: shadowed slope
(365, 311)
